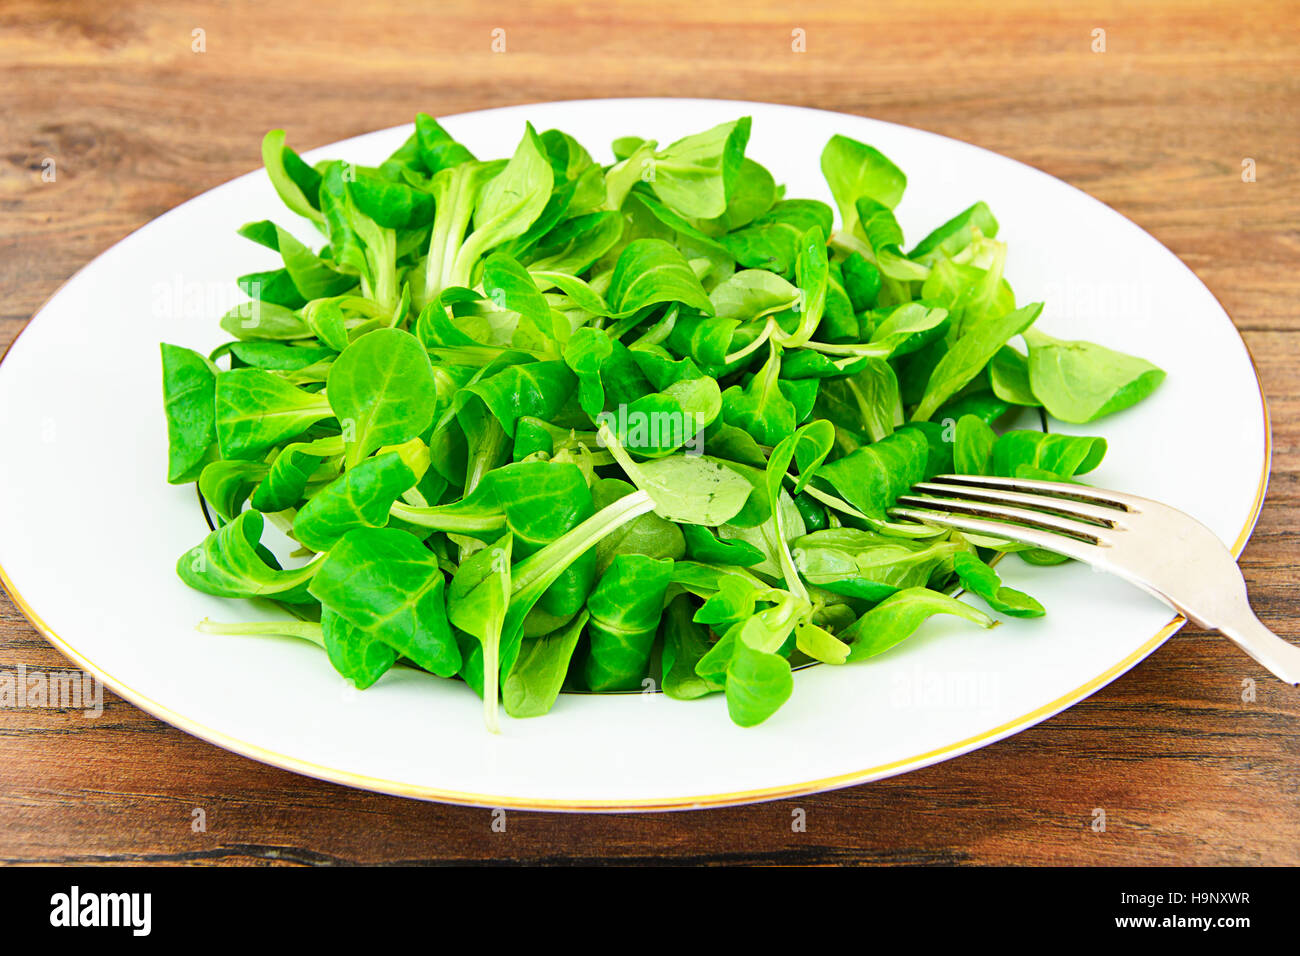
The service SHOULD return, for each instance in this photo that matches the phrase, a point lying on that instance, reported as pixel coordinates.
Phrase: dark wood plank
(1157, 126)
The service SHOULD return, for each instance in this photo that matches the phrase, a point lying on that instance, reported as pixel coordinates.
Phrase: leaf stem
(445, 518)
(307, 630)
(568, 547)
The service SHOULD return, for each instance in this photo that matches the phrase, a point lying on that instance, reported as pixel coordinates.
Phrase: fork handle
(1278, 656)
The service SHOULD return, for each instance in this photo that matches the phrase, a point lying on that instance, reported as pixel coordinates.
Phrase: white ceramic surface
(89, 531)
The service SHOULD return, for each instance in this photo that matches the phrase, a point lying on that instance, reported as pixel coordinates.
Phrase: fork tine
(1061, 489)
(1091, 533)
(1070, 547)
(1072, 508)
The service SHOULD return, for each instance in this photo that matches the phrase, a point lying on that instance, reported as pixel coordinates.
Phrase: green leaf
(274, 286)
(685, 642)
(624, 610)
(649, 272)
(820, 644)
(1009, 377)
(391, 205)
(872, 566)
(956, 234)
(1031, 454)
(226, 485)
(382, 391)
(687, 489)
(275, 356)
(358, 498)
(387, 583)
(510, 287)
(189, 399)
(356, 654)
(232, 563)
(969, 354)
(312, 276)
(573, 245)
(865, 404)
(532, 577)
(772, 241)
(752, 294)
(750, 193)
(509, 202)
(691, 174)
(256, 410)
(879, 225)
(862, 281)
(648, 535)
(535, 681)
(339, 212)
(973, 446)
(535, 390)
(586, 353)
(1080, 381)
(289, 175)
(897, 617)
(812, 273)
(758, 683)
(907, 328)
(476, 604)
(978, 577)
(260, 319)
(761, 407)
(809, 446)
(438, 151)
(854, 170)
(701, 545)
(871, 478)
(659, 423)
(456, 191)
(290, 472)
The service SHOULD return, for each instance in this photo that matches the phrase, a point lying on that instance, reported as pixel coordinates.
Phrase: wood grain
(1157, 126)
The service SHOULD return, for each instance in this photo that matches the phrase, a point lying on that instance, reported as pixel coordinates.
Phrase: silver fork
(1160, 549)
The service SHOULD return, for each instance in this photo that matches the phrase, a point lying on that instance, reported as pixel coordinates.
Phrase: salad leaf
(649, 272)
(1080, 382)
(231, 562)
(356, 654)
(897, 617)
(537, 678)
(1029, 454)
(548, 424)
(256, 410)
(477, 602)
(855, 170)
(189, 398)
(969, 354)
(388, 584)
(978, 577)
(359, 498)
(624, 611)
(381, 389)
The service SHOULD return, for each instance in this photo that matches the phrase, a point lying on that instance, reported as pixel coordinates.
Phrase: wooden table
(1157, 126)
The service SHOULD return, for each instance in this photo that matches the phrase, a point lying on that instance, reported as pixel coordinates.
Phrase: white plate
(89, 531)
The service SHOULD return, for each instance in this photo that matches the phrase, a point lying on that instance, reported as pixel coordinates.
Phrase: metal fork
(1160, 549)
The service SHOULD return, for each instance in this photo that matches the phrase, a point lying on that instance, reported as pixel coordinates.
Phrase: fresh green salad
(541, 423)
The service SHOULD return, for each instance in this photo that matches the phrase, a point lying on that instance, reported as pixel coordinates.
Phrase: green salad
(541, 424)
